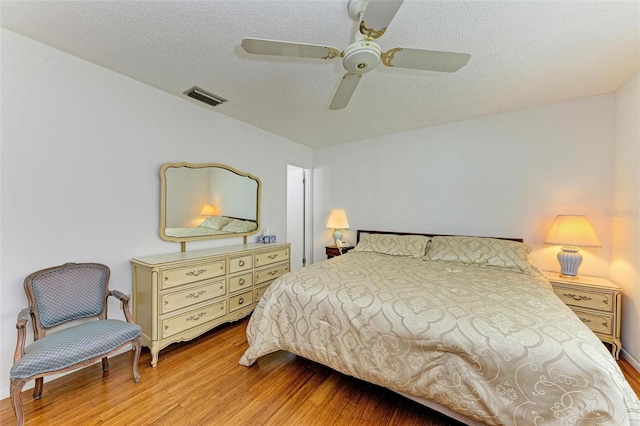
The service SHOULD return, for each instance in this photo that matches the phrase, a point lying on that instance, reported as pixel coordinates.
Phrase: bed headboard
(361, 231)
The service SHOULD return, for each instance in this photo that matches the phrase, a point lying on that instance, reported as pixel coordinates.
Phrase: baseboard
(631, 360)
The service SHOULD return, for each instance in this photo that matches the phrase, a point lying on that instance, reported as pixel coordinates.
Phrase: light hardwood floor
(201, 383)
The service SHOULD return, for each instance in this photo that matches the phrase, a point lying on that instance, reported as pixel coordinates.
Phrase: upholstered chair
(73, 294)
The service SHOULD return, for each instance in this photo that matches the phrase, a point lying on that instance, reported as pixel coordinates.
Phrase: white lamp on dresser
(571, 232)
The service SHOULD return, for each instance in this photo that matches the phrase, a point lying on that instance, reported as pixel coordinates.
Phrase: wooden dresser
(179, 296)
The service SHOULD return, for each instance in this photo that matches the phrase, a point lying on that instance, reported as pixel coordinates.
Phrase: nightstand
(596, 301)
(333, 251)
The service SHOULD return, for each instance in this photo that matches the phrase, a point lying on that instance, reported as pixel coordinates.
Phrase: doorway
(299, 215)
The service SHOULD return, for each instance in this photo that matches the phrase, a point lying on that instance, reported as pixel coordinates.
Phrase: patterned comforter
(493, 345)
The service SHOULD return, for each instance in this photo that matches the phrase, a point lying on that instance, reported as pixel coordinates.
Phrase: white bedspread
(493, 345)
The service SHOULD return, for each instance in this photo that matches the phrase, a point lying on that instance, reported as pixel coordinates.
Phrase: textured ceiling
(523, 53)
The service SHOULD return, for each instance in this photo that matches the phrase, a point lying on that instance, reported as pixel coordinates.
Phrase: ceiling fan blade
(377, 17)
(429, 60)
(287, 48)
(345, 90)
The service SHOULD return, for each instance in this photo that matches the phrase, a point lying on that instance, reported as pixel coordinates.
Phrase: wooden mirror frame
(163, 203)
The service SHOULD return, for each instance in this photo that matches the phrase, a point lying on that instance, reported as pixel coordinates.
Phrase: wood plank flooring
(201, 383)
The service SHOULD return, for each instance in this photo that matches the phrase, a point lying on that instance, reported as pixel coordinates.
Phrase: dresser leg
(154, 353)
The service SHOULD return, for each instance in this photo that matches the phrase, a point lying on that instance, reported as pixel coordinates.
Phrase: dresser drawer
(238, 264)
(259, 292)
(191, 274)
(240, 301)
(585, 299)
(240, 282)
(598, 323)
(272, 256)
(267, 274)
(180, 299)
(178, 323)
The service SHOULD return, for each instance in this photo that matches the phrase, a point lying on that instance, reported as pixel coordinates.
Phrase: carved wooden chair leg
(105, 365)
(16, 400)
(137, 348)
(37, 389)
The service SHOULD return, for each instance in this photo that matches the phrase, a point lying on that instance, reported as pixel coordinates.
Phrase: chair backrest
(67, 292)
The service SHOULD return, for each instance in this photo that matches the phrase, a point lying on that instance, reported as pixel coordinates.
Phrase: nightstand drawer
(597, 323)
(585, 299)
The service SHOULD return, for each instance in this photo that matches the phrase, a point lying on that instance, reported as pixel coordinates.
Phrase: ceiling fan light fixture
(203, 96)
(361, 57)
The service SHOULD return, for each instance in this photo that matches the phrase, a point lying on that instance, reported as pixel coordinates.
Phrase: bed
(467, 326)
(215, 225)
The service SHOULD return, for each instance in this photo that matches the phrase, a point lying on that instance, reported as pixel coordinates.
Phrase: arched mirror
(205, 201)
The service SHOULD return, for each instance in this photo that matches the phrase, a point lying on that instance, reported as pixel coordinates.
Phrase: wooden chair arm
(125, 304)
(21, 325)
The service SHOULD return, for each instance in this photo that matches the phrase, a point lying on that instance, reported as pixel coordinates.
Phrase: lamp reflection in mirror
(337, 221)
(571, 232)
(210, 210)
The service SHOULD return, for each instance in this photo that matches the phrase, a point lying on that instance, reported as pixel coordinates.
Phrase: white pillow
(237, 225)
(216, 222)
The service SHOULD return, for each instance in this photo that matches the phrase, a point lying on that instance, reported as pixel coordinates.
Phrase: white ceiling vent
(203, 96)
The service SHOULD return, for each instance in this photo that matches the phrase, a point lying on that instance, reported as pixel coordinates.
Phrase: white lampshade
(572, 231)
(338, 220)
(210, 210)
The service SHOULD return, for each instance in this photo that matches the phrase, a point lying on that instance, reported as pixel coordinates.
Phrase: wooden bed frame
(361, 231)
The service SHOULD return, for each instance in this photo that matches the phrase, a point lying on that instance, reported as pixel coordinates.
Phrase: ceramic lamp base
(570, 260)
(337, 235)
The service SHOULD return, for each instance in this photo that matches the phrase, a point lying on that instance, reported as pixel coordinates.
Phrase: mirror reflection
(203, 201)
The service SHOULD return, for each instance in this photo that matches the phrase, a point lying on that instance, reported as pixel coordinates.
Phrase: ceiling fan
(364, 54)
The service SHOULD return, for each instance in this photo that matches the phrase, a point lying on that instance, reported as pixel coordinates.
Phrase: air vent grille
(203, 96)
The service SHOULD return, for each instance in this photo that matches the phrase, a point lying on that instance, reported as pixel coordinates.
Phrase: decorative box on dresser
(596, 301)
(179, 296)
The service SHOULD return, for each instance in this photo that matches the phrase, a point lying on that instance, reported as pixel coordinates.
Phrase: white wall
(505, 175)
(81, 153)
(625, 208)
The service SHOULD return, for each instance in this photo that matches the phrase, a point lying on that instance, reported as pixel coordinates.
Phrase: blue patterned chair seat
(73, 345)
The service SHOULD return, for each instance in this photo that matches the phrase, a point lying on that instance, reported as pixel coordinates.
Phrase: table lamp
(337, 221)
(571, 232)
(210, 210)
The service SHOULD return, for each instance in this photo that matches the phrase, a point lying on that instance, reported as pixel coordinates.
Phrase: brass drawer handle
(196, 317)
(586, 321)
(241, 263)
(578, 298)
(196, 273)
(196, 295)
(240, 301)
(272, 256)
(241, 281)
(272, 272)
